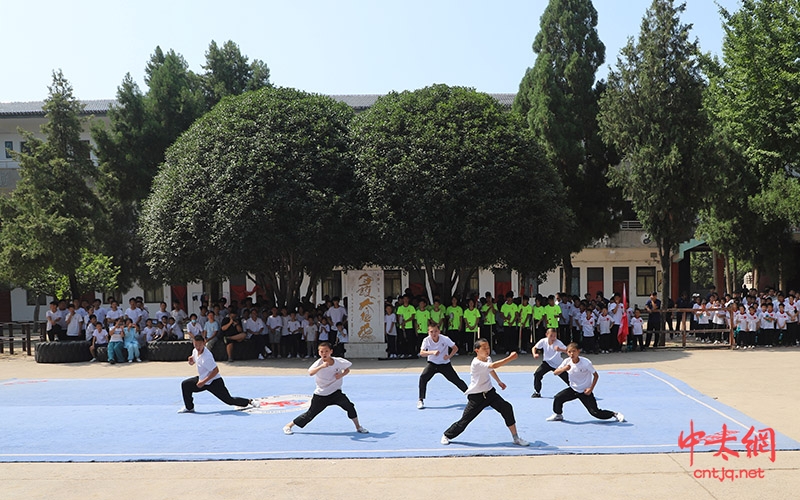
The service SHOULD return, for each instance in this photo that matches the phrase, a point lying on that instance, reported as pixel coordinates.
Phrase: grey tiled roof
(34, 108)
(358, 102)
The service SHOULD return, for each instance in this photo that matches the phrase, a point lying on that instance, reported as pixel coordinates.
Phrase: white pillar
(364, 290)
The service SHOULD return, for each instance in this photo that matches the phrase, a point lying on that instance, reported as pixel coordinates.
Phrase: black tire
(178, 350)
(101, 353)
(63, 352)
(218, 351)
(245, 350)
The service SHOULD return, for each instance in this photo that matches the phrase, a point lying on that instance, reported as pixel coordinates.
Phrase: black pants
(260, 342)
(217, 388)
(526, 339)
(543, 370)
(391, 344)
(614, 345)
(469, 340)
(588, 401)
(409, 341)
(319, 403)
(565, 334)
(445, 369)
(654, 335)
(635, 339)
(589, 344)
(475, 405)
(791, 334)
(487, 332)
(56, 332)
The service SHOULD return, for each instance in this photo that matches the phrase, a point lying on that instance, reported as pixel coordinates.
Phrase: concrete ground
(758, 383)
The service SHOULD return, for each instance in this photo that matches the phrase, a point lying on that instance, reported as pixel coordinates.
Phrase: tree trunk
(73, 286)
(430, 278)
(728, 280)
(566, 265)
(665, 256)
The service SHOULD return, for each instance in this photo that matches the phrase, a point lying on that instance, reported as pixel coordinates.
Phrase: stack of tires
(173, 350)
(63, 352)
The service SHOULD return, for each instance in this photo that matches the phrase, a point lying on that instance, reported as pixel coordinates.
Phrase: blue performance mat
(110, 420)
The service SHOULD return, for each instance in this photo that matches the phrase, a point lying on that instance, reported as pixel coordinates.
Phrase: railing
(683, 324)
(7, 335)
(631, 225)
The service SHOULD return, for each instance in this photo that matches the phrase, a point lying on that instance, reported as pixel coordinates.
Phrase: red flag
(622, 335)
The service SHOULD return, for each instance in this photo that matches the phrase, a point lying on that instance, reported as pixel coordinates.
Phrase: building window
(620, 277)
(32, 298)
(23, 147)
(9, 148)
(645, 281)
(332, 285)
(393, 284)
(594, 281)
(154, 295)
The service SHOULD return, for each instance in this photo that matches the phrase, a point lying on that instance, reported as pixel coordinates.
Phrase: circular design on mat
(285, 403)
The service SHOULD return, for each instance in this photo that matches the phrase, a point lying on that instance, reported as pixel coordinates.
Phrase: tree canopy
(752, 97)
(144, 124)
(261, 184)
(53, 216)
(558, 97)
(453, 180)
(652, 111)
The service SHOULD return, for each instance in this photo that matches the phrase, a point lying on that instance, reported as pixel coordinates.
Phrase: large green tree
(262, 184)
(229, 72)
(142, 125)
(753, 98)
(53, 216)
(558, 97)
(652, 111)
(454, 181)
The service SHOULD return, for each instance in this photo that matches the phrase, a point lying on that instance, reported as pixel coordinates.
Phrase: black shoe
(536, 395)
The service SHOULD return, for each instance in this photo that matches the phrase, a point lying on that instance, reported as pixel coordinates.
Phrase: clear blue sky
(330, 47)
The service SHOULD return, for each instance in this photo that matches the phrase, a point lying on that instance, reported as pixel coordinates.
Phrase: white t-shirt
(134, 314)
(194, 329)
(791, 311)
(275, 323)
(336, 314)
(116, 334)
(205, 364)
(53, 316)
(254, 326)
(100, 314)
(604, 324)
(326, 380)
(100, 335)
(587, 325)
(637, 325)
(149, 332)
(781, 318)
(161, 314)
(74, 325)
(479, 376)
(767, 323)
(580, 373)
(751, 322)
(113, 315)
(550, 355)
(616, 311)
(443, 346)
(292, 327)
(310, 332)
(324, 330)
(389, 323)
